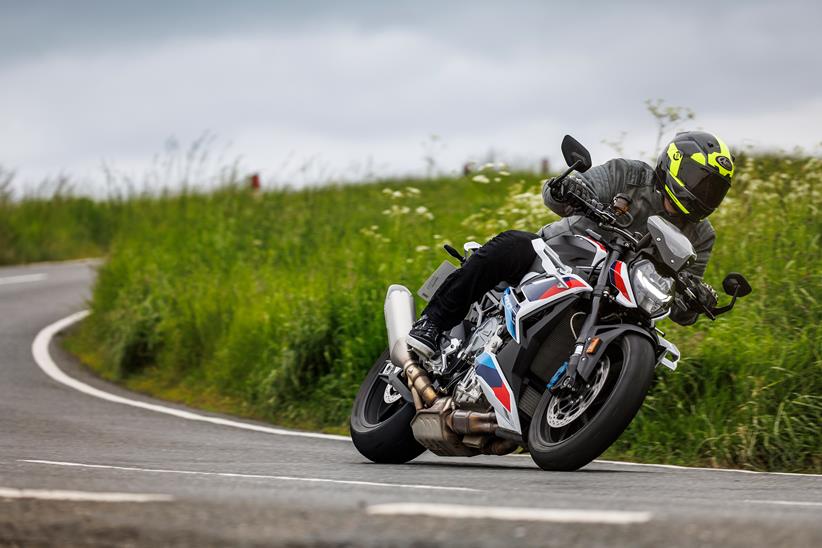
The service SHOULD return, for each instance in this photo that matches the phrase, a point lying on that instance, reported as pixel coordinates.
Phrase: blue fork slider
(558, 375)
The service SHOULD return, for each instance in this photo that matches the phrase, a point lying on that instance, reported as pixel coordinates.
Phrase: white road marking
(676, 467)
(40, 350)
(80, 496)
(252, 476)
(23, 278)
(785, 502)
(508, 513)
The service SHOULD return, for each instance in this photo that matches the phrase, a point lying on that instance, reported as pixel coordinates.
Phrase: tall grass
(274, 300)
(271, 304)
(62, 226)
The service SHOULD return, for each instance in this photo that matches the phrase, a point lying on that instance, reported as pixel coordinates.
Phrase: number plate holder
(435, 280)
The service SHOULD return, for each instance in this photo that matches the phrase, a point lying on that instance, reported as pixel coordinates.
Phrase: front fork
(582, 346)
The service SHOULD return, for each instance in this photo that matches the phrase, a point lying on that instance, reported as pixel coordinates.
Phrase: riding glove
(704, 295)
(570, 185)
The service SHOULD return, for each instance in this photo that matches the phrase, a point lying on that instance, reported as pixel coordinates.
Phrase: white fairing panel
(621, 280)
(497, 391)
(600, 251)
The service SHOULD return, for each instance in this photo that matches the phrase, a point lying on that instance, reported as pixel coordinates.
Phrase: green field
(271, 305)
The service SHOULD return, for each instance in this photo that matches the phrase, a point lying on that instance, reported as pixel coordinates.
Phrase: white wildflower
(393, 194)
(421, 248)
(396, 211)
(481, 179)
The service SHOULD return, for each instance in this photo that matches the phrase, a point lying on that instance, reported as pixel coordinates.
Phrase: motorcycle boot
(424, 337)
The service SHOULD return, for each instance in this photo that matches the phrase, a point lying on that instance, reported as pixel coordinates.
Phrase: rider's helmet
(694, 171)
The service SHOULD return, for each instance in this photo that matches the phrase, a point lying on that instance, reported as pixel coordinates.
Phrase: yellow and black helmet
(694, 171)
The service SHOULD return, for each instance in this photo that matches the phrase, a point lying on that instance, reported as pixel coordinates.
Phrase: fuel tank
(578, 251)
(535, 295)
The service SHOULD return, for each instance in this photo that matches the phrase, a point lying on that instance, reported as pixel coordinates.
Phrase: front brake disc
(567, 406)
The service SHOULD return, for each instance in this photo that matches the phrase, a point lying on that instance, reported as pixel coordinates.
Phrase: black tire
(390, 439)
(585, 438)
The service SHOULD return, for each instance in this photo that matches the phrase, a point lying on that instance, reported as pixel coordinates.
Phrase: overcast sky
(349, 88)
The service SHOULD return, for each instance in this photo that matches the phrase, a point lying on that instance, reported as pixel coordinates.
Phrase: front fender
(607, 334)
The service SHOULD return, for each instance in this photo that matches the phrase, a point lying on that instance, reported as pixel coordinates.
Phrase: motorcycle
(559, 364)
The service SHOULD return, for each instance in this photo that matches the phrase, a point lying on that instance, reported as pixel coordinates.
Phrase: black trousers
(505, 257)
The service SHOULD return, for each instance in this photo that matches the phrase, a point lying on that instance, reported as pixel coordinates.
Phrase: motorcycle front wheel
(381, 420)
(569, 430)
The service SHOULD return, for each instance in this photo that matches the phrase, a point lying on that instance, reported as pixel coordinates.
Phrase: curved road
(76, 469)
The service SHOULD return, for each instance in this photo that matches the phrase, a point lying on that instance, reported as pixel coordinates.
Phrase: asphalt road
(187, 482)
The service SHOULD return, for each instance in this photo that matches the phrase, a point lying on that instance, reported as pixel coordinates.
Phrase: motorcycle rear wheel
(577, 439)
(381, 429)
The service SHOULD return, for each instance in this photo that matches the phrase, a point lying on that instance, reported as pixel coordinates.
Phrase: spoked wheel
(381, 419)
(570, 429)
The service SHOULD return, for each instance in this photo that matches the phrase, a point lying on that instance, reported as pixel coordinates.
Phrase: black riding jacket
(636, 179)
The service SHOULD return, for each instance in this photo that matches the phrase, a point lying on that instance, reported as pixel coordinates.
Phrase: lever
(621, 204)
(454, 253)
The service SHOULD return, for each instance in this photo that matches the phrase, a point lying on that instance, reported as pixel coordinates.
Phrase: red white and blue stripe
(497, 391)
(621, 281)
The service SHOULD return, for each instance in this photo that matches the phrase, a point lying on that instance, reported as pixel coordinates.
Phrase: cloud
(356, 90)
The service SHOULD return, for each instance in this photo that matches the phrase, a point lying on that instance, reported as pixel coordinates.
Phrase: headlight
(653, 292)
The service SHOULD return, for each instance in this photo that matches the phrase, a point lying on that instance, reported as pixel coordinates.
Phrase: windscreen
(674, 248)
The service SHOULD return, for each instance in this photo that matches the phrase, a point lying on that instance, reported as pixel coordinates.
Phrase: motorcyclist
(692, 175)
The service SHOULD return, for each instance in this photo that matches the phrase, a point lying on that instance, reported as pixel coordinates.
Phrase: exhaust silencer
(399, 317)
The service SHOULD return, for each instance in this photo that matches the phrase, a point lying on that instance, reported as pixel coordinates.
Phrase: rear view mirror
(575, 153)
(736, 284)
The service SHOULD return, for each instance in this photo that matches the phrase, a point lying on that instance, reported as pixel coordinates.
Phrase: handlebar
(603, 215)
(606, 218)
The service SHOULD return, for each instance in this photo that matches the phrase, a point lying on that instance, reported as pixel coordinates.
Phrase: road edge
(42, 357)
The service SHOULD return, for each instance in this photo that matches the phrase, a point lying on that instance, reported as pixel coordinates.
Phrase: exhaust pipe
(399, 317)
(472, 422)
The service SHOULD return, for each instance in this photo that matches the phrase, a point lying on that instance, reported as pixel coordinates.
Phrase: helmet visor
(706, 185)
